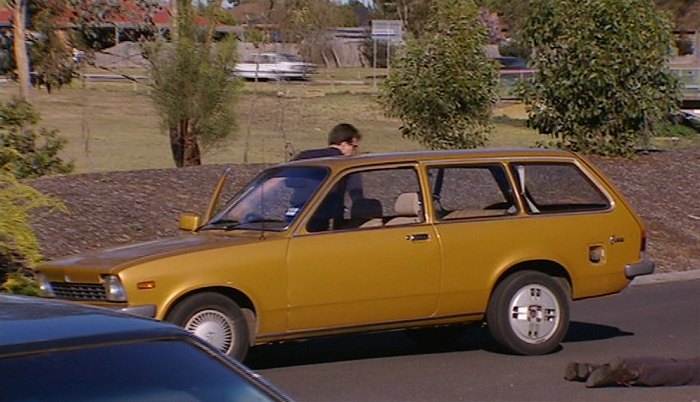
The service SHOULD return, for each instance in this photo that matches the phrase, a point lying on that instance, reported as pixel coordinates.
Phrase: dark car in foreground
(60, 351)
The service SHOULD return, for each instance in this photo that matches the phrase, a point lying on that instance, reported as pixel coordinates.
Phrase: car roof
(34, 324)
(430, 156)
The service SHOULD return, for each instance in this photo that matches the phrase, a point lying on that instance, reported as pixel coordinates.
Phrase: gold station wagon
(380, 242)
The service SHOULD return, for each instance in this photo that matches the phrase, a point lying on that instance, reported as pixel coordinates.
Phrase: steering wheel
(252, 217)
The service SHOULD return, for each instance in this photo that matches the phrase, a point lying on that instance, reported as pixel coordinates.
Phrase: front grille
(78, 291)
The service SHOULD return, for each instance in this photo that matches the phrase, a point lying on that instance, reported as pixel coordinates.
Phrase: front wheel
(528, 313)
(216, 319)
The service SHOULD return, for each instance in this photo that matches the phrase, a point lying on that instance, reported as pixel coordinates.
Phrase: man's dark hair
(343, 132)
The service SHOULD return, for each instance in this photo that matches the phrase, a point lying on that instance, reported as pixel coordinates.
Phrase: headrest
(407, 204)
(366, 208)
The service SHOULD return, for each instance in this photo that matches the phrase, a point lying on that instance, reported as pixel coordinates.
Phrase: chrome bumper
(644, 267)
(148, 310)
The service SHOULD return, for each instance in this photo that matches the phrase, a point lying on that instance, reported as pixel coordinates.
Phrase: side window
(473, 191)
(557, 187)
(370, 199)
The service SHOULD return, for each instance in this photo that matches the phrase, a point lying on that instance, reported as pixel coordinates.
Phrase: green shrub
(602, 77)
(29, 154)
(667, 129)
(19, 247)
(442, 87)
(512, 48)
(20, 283)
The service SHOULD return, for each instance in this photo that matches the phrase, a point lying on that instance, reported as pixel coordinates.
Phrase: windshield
(161, 370)
(272, 201)
(290, 57)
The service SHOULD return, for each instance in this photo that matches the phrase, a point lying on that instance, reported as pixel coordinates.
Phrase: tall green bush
(23, 154)
(602, 78)
(442, 86)
(23, 150)
(192, 86)
(19, 247)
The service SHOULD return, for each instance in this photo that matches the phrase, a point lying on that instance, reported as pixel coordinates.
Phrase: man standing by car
(343, 140)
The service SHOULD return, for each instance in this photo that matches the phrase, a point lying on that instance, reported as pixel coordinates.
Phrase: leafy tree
(443, 86)
(511, 48)
(19, 247)
(602, 76)
(19, 44)
(25, 152)
(307, 22)
(511, 12)
(42, 44)
(51, 52)
(413, 13)
(193, 89)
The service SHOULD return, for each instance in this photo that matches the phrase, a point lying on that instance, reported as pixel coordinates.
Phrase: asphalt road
(656, 318)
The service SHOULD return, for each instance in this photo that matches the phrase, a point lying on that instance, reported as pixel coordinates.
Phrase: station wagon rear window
(557, 187)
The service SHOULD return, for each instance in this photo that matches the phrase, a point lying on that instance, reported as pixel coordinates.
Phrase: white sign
(389, 30)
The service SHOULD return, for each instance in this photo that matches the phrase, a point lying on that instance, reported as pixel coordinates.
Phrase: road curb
(666, 277)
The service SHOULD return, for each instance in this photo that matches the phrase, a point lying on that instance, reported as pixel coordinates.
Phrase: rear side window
(557, 187)
(473, 191)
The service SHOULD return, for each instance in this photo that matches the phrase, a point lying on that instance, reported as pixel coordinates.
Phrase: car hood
(123, 256)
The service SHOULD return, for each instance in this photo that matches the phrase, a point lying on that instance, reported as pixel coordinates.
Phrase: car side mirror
(189, 221)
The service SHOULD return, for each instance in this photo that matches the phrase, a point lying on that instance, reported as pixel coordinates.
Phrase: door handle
(418, 237)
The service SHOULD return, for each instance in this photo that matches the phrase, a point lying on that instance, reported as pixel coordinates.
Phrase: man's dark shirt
(333, 206)
(318, 153)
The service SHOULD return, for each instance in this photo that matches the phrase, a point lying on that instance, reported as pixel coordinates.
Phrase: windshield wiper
(225, 224)
(255, 224)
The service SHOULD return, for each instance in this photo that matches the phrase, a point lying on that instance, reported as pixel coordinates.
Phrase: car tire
(528, 313)
(216, 319)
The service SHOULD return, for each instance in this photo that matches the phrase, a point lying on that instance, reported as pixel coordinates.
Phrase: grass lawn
(113, 126)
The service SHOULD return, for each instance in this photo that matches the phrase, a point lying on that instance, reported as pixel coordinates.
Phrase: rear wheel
(528, 313)
(216, 319)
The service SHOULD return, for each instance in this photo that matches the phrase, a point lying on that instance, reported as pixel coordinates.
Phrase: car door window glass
(370, 199)
(557, 187)
(473, 191)
(273, 200)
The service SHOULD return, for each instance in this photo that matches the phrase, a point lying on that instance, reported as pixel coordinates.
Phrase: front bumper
(644, 267)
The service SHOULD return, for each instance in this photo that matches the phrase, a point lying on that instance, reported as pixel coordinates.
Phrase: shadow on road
(361, 346)
(584, 331)
(397, 343)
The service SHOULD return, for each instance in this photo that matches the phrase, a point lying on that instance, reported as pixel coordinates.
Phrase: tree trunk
(191, 155)
(174, 23)
(184, 146)
(20, 46)
(177, 145)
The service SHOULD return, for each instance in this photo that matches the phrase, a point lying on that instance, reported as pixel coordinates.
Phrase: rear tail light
(643, 245)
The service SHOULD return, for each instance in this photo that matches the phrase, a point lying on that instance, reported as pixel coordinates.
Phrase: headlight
(114, 290)
(44, 285)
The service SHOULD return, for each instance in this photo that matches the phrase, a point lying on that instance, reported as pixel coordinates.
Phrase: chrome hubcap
(534, 313)
(214, 327)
